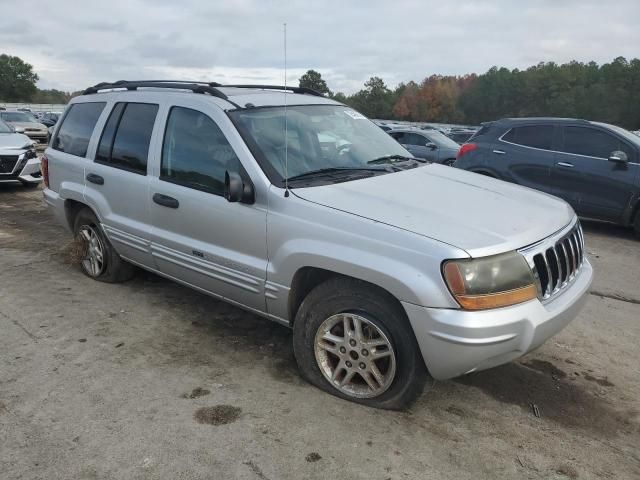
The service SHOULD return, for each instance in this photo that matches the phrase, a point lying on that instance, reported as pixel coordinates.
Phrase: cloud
(72, 46)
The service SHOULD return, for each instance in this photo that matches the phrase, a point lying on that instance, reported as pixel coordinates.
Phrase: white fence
(36, 107)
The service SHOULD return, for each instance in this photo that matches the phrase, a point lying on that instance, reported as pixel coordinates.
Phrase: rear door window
(195, 152)
(77, 127)
(593, 143)
(126, 137)
(534, 136)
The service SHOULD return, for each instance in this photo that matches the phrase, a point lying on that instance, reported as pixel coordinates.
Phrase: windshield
(440, 139)
(17, 117)
(4, 128)
(319, 138)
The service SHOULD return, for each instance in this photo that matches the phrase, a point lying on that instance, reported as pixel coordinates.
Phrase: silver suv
(389, 269)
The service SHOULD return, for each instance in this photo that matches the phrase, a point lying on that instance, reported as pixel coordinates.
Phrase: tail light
(466, 148)
(44, 168)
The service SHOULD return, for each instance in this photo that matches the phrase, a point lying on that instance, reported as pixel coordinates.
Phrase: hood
(478, 214)
(15, 141)
(25, 125)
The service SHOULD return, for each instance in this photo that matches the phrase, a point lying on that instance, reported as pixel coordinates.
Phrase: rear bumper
(455, 342)
(56, 205)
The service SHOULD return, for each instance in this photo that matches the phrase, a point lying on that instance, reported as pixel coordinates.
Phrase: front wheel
(354, 341)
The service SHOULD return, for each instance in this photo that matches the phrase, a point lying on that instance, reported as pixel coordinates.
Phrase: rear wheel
(97, 257)
(449, 162)
(354, 341)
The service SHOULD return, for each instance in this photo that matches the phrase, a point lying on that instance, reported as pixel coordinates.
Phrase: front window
(18, 117)
(320, 138)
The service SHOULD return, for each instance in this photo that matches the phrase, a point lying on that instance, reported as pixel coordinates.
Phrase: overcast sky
(73, 44)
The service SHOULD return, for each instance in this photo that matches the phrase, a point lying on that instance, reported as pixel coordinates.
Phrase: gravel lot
(149, 379)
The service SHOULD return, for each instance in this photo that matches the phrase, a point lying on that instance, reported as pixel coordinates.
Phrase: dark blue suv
(593, 166)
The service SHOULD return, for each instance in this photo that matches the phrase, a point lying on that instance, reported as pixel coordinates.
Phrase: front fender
(305, 234)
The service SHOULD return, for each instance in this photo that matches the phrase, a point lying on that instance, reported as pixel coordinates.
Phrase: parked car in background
(460, 136)
(388, 269)
(593, 166)
(28, 123)
(429, 144)
(49, 119)
(18, 159)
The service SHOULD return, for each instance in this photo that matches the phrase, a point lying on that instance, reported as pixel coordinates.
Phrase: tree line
(18, 84)
(609, 93)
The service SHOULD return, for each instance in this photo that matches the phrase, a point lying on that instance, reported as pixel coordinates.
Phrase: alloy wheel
(93, 251)
(354, 355)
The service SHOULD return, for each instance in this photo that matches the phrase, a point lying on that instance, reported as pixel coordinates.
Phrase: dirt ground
(149, 379)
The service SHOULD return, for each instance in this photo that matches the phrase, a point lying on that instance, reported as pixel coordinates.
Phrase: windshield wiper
(394, 159)
(335, 170)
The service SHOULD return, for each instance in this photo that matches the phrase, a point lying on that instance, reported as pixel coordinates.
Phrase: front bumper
(25, 172)
(455, 342)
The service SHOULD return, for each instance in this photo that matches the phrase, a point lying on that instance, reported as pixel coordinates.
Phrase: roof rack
(195, 86)
(303, 90)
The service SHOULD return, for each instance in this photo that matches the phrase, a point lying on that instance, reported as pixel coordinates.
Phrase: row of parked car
(592, 165)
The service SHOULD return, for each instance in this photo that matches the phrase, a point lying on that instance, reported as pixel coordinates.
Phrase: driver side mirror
(431, 145)
(237, 190)
(619, 157)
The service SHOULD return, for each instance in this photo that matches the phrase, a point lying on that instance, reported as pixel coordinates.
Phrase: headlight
(490, 282)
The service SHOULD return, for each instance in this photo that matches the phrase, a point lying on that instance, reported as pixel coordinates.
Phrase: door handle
(499, 152)
(565, 164)
(165, 200)
(93, 178)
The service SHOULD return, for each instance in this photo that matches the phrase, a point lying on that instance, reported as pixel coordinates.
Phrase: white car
(18, 159)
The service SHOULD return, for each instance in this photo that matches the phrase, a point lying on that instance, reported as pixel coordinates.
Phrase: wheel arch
(307, 278)
(71, 209)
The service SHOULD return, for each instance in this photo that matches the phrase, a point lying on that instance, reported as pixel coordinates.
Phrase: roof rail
(195, 87)
(303, 90)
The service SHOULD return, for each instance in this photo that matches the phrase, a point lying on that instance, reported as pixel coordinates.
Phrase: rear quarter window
(77, 127)
(534, 136)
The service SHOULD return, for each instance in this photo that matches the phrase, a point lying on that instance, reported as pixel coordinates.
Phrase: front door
(584, 176)
(199, 237)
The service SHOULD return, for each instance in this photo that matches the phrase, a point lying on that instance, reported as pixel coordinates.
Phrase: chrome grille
(556, 261)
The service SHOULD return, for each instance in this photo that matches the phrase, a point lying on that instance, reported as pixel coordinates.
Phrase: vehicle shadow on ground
(559, 394)
(542, 389)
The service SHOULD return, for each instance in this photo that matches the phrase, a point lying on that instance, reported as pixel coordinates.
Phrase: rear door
(117, 182)
(198, 236)
(523, 155)
(584, 176)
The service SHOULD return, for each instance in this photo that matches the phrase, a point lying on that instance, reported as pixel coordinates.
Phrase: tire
(449, 162)
(112, 268)
(350, 299)
(636, 225)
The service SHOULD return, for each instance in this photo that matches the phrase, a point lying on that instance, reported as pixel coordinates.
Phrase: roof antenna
(286, 152)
